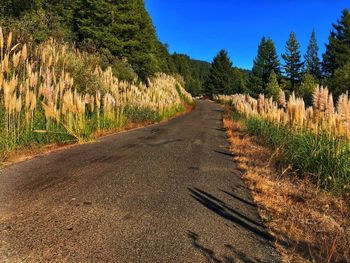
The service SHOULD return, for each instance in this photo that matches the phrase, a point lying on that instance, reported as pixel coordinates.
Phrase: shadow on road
(239, 198)
(211, 255)
(225, 153)
(226, 212)
(223, 210)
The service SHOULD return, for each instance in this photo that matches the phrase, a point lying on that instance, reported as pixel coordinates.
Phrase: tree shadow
(239, 198)
(223, 210)
(225, 153)
(304, 249)
(211, 255)
(208, 253)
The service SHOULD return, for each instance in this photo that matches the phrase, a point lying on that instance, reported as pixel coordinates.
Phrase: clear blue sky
(200, 28)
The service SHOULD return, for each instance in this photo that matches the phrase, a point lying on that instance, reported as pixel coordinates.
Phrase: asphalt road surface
(165, 193)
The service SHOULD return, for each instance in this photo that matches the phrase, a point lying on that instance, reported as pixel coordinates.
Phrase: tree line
(121, 32)
(295, 74)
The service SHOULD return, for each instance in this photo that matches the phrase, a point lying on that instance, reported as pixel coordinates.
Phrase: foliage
(338, 48)
(194, 72)
(55, 93)
(326, 158)
(265, 62)
(312, 60)
(223, 78)
(120, 32)
(315, 140)
(340, 83)
(307, 88)
(273, 88)
(293, 66)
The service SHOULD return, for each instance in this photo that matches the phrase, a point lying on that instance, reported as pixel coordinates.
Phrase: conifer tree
(293, 66)
(265, 62)
(220, 78)
(338, 48)
(312, 60)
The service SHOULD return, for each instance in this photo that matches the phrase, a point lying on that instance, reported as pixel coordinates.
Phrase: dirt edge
(309, 225)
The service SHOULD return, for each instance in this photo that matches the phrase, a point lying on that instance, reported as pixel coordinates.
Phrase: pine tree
(273, 89)
(293, 66)
(265, 62)
(312, 60)
(220, 78)
(338, 48)
(125, 29)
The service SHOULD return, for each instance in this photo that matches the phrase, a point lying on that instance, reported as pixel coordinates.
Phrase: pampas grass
(315, 140)
(39, 100)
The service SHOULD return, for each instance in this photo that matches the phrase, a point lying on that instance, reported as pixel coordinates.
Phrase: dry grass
(309, 224)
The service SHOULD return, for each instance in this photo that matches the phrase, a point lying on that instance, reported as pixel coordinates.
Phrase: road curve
(165, 193)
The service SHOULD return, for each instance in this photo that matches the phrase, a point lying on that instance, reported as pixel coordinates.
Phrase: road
(166, 193)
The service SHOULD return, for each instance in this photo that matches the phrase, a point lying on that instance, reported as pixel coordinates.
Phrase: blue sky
(200, 28)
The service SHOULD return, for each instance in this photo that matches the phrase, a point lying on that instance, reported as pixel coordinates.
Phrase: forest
(120, 33)
(297, 72)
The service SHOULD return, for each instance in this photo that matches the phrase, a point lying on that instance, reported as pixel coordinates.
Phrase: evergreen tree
(273, 89)
(340, 82)
(293, 65)
(312, 60)
(220, 78)
(307, 87)
(265, 62)
(239, 85)
(120, 31)
(338, 48)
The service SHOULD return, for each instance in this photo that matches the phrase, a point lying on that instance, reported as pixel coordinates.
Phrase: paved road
(166, 193)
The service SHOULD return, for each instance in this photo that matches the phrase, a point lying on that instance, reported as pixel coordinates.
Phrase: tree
(273, 89)
(341, 80)
(293, 66)
(265, 62)
(119, 31)
(338, 48)
(307, 87)
(312, 60)
(220, 78)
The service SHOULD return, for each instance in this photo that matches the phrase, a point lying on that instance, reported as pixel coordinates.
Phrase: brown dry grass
(308, 224)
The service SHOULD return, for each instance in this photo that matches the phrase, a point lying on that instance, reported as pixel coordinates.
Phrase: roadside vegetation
(289, 125)
(307, 125)
(308, 223)
(74, 69)
(313, 140)
(52, 92)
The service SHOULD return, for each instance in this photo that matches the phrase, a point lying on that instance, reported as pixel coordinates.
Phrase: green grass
(325, 158)
(29, 139)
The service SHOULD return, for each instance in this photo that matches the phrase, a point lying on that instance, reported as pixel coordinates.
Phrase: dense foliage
(55, 93)
(265, 63)
(293, 66)
(301, 77)
(120, 32)
(223, 78)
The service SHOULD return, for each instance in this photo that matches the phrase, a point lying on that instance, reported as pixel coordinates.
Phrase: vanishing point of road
(166, 193)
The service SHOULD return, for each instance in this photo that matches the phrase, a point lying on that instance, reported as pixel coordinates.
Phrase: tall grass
(53, 92)
(314, 140)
